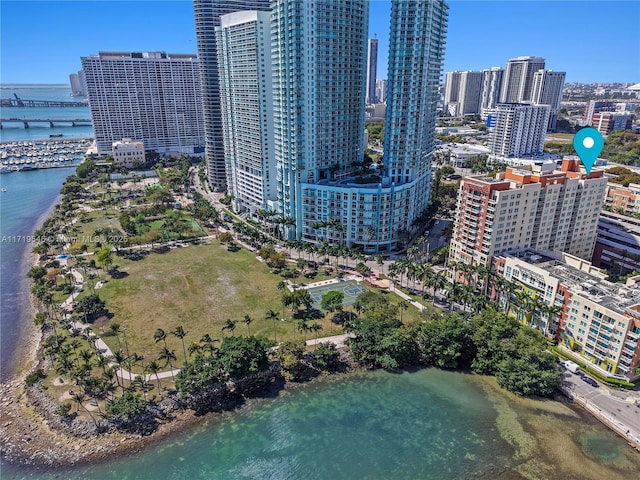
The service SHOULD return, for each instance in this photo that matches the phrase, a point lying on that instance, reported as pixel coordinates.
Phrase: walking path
(338, 340)
(101, 346)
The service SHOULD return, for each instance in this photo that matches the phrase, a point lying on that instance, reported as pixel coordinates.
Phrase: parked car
(589, 380)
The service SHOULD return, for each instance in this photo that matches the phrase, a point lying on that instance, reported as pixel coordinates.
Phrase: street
(618, 409)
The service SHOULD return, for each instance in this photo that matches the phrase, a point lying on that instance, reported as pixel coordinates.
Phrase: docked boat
(56, 135)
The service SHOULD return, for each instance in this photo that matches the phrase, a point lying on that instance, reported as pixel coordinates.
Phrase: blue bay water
(28, 197)
(16, 131)
(427, 424)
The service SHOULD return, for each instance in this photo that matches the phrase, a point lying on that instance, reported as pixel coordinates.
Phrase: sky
(593, 41)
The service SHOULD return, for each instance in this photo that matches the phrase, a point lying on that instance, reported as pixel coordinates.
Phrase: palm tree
(160, 334)
(153, 367)
(247, 321)
(272, 315)
(303, 327)
(282, 286)
(380, 262)
(402, 305)
(229, 325)
(115, 329)
(180, 333)
(551, 312)
(437, 281)
(169, 356)
(194, 348)
(316, 327)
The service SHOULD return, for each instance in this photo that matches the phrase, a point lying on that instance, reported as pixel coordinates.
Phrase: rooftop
(613, 296)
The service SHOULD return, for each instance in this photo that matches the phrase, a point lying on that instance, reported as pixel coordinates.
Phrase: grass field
(559, 137)
(198, 287)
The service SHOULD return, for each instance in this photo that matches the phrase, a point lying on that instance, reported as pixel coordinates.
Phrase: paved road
(620, 410)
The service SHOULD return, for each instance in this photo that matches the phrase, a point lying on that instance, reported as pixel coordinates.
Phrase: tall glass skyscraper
(207, 16)
(372, 70)
(319, 63)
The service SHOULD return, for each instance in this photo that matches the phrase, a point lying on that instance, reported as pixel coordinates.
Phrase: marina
(31, 155)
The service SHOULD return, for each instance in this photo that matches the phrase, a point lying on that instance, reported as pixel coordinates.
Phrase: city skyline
(35, 55)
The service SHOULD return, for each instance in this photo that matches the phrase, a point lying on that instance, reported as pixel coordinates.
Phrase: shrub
(35, 377)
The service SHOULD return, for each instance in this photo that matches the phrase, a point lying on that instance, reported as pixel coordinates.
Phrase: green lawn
(198, 287)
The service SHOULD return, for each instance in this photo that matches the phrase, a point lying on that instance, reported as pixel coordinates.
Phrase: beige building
(598, 322)
(128, 153)
(528, 207)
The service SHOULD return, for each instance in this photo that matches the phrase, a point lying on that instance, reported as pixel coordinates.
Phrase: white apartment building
(150, 96)
(381, 90)
(451, 92)
(528, 207)
(599, 321)
(470, 93)
(547, 90)
(128, 153)
(491, 85)
(246, 99)
(519, 130)
(517, 82)
(207, 16)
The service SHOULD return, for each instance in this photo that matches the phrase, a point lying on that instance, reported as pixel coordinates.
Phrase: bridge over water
(74, 122)
(19, 102)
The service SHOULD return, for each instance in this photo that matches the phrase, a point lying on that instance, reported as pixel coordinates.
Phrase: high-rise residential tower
(451, 91)
(149, 96)
(381, 90)
(207, 16)
(547, 90)
(416, 56)
(470, 93)
(517, 82)
(319, 63)
(528, 207)
(491, 85)
(519, 130)
(372, 70)
(246, 100)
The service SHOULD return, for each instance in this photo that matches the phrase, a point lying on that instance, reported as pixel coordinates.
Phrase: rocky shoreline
(31, 434)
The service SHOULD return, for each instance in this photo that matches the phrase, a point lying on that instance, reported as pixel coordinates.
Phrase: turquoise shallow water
(427, 424)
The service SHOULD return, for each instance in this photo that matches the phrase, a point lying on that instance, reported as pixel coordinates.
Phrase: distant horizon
(478, 36)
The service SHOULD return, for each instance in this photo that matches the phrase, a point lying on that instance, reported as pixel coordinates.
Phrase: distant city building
(451, 92)
(149, 96)
(618, 243)
(372, 69)
(469, 96)
(376, 110)
(517, 82)
(595, 106)
(76, 88)
(527, 207)
(624, 107)
(83, 83)
(547, 90)
(128, 153)
(598, 321)
(623, 199)
(607, 122)
(207, 17)
(381, 90)
(246, 100)
(519, 129)
(491, 85)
